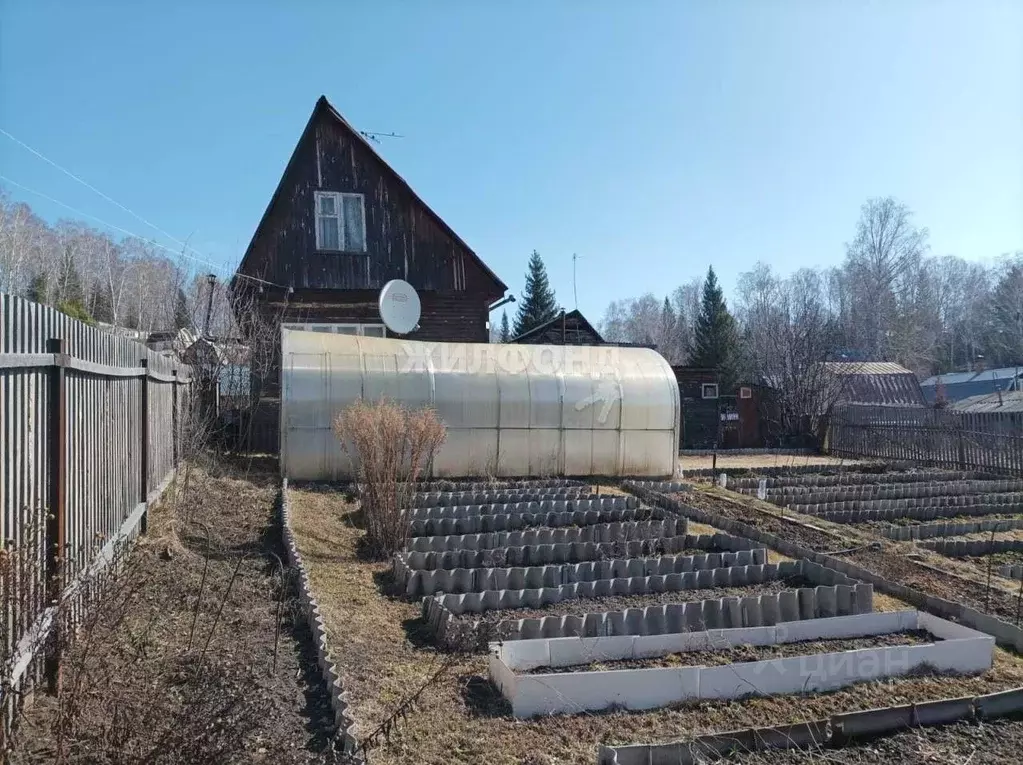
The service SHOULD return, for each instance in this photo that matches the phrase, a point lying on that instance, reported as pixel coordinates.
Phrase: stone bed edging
(331, 677)
(914, 490)
(781, 483)
(910, 513)
(1005, 634)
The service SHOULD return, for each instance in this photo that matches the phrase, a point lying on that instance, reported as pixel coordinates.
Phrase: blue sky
(651, 138)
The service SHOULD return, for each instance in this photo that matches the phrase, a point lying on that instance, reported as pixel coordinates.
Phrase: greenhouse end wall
(510, 410)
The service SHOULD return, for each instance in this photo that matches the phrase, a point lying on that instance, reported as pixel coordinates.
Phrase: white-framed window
(365, 330)
(709, 390)
(340, 221)
(745, 392)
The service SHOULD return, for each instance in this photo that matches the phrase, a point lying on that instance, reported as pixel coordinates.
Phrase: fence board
(941, 437)
(102, 394)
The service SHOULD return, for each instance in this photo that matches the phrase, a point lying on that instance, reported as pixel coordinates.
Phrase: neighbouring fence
(941, 437)
(91, 428)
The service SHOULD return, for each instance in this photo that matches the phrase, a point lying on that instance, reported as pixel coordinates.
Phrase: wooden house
(340, 225)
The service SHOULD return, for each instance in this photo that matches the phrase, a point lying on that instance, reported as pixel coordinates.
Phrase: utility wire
(184, 245)
(76, 211)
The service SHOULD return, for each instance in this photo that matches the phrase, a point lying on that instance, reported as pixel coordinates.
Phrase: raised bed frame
(960, 650)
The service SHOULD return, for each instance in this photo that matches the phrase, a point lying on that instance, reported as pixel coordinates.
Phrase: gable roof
(574, 316)
(324, 107)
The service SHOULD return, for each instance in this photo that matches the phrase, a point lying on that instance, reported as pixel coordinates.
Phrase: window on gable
(340, 222)
(710, 390)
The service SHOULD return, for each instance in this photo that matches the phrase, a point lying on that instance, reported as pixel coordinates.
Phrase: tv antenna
(399, 306)
(575, 293)
(375, 137)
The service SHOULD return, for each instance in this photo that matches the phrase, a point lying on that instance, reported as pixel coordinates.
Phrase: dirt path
(133, 690)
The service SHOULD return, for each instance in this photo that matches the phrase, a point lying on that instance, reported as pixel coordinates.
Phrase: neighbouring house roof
(882, 383)
(575, 317)
(957, 386)
(1009, 401)
(324, 107)
(866, 368)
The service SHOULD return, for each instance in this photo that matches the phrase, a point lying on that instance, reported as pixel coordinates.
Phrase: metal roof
(1011, 401)
(955, 378)
(866, 368)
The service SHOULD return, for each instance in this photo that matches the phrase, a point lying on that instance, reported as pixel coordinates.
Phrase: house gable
(404, 238)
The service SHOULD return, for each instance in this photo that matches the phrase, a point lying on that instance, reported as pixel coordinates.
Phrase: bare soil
(804, 531)
(384, 654)
(582, 606)
(133, 690)
(745, 653)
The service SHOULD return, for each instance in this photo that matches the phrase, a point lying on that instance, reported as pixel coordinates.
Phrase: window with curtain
(340, 222)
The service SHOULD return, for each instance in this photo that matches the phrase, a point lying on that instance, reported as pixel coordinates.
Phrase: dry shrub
(390, 446)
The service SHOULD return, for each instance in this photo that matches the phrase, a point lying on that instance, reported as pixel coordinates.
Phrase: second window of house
(340, 222)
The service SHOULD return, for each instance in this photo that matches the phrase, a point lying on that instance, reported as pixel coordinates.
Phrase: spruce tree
(38, 289)
(505, 335)
(538, 305)
(102, 305)
(717, 340)
(181, 318)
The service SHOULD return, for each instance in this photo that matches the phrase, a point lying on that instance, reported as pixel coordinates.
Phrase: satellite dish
(399, 306)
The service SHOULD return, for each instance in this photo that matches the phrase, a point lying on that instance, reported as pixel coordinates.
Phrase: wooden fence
(941, 437)
(90, 429)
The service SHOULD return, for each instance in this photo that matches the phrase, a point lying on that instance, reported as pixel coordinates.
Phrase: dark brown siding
(445, 318)
(403, 239)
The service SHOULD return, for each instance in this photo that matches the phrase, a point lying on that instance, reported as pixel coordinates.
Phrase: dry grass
(725, 461)
(461, 719)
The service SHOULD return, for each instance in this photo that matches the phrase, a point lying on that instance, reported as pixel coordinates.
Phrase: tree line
(889, 300)
(97, 278)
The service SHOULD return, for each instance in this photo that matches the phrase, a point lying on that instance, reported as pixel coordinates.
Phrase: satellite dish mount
(400, 307)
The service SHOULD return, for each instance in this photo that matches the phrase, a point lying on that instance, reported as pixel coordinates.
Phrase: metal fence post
(144, 452)
(174, 417)
(56, 518)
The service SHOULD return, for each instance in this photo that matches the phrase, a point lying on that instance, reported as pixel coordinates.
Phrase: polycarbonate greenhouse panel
(510, 410)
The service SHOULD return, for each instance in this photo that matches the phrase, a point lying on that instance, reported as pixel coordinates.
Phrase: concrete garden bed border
(482, 524)
(1005, 634)
(606, 502)
(1005, 499)
(842, 597)
(482, 578)
(310, 607)
(811, 482)
(959, 650)
(960, 548)
(875, 492)
(598, 532)
(909, 513)
(949, 529)
(490, 496)
(828, 733)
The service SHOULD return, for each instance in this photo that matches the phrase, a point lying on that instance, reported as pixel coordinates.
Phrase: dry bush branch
(390, 447)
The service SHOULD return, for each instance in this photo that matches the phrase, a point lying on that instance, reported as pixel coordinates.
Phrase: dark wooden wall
(403, 238)
(571, 331)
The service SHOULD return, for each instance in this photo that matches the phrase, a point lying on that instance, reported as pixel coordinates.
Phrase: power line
(184, 245)
(126, 232)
